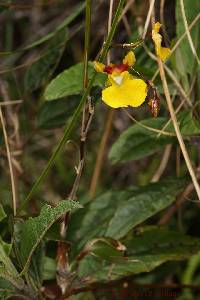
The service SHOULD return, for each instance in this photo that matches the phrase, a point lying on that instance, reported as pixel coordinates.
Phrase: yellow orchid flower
(123, 89)
(161, 52)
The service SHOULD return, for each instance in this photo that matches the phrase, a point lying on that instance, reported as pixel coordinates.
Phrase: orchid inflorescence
(122, 88)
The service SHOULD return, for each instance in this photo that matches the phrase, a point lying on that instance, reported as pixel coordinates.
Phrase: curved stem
(69, 128)
(177, 129)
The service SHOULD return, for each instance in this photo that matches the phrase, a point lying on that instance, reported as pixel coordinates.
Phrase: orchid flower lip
(122, 89)
(116, 68)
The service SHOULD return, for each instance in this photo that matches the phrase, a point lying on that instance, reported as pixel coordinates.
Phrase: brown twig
(148, 19)
(167, 133)
(12, 102)
(12, 142)
(177, 129)
(62, 251)
(175, 122)
(12, 177)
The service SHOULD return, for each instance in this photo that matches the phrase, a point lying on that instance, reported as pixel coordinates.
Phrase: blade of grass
(77, 113)
(12, 178)
(188, 32)
(177, 129)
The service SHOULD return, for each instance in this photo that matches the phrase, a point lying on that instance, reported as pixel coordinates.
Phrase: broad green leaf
(148, 201)
(55, 113)
(137, 142)
(41, 70)
(115, 213)
(186, 57)
(145, 252)
(70, 82)
(93, 220)
(34, 229)
(2, 213)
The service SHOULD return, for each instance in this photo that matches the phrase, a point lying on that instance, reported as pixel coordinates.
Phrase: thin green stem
(87, 41)
(69, 128)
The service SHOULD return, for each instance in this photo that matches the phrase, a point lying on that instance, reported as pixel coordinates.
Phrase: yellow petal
(161, 52)
(99, 67)
(157, 26)
(157, 38)
(129, 59)
(164, 53)
(131, 93)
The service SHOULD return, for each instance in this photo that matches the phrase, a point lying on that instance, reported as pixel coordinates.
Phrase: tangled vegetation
(100, 150)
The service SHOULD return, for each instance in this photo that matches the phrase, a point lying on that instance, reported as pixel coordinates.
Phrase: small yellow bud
(99, 67)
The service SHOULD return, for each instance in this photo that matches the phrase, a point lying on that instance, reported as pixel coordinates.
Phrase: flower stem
(177, 129)
(69, 128)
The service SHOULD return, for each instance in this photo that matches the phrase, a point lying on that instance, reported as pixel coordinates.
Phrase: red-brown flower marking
(116, 68)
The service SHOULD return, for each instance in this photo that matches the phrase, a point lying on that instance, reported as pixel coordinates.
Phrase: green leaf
(148, 201)
(41, 70)
(188, 124)
(93, 221)
(48, 268)
(34, 229)
(55, 113)
(2, 213)
(146, 251)
(9, 277)
(70, 82)
(115, 213)
(105, 248)
(186, 57)
(6, 289)
(137, 142)
(6, 247)
(7, 269)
